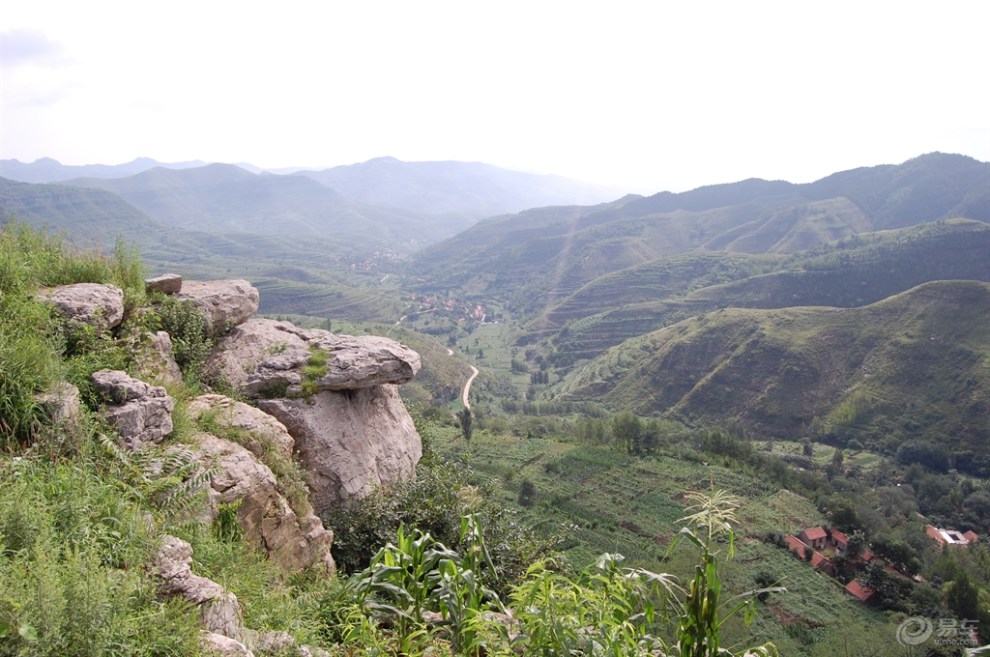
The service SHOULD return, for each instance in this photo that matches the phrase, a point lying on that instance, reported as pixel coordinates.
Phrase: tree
(465, 418)
(628, 430)
(856, 545)
(962, 597)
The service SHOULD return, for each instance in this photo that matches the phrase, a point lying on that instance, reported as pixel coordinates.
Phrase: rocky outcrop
(337, 396)
(219, 645)
(225, 303)
(141, 413)
(350, 442)
(166, 284)
(287, 530)
(99, 306)
(220, 612)
(294, 540)
(219, 609)
(263, 355)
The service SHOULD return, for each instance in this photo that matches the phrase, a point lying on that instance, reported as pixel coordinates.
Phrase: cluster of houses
(820, 545)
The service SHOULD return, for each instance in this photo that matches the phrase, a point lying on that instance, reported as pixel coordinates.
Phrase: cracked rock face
(100, 306)
(156, 358)
(350, 442)
(166, 284)
(262, 431)
(141, 413)
(264, 355)
(294, 540)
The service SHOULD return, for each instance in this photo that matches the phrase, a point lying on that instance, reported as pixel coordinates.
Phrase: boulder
(61, 403)
(219, 645)
(100, 306)
(141, 413)
(156, 359)
(263, 355)
(166, 284)
(225, 303)
(294, 539)
(350, 442)
(219, 609)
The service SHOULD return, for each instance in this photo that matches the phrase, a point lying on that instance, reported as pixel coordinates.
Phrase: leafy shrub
(435, 501)
(189, 330)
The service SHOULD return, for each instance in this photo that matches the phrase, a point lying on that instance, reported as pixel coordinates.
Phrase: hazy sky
(645, 95)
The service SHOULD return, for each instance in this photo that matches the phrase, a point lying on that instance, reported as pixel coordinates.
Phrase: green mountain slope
(914, 366)
(855, 272)
(536, 258)
(91, 217)
(223, 198)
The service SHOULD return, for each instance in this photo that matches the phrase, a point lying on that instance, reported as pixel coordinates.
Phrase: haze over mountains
(662, 305)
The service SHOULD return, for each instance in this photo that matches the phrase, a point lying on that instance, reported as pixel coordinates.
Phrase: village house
(816, 537)
(951, 536)
(860, 591)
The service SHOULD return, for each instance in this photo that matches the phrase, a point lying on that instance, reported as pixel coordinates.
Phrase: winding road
(467, 387)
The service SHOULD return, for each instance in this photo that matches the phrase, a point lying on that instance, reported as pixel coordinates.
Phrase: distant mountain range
(47, 170)
(468, 190)
(473, 189)
(537, 258)
(861, 300)
(910, 367)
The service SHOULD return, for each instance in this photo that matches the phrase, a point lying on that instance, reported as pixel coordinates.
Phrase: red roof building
(814, 536)
(839, 539)
(821, 562)
(859, 591)
(796, 545)
(951, 536)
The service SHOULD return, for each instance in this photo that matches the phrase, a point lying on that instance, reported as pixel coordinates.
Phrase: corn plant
(427, 590)
(702, 613)
(461, 595)
(605, 610)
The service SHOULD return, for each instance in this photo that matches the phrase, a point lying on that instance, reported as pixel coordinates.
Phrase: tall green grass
(33, 342)
(73, 551)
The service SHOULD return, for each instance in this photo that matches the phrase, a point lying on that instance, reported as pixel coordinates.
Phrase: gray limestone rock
(156, 358)
(100, 306)
(220, 610)
(225, 303)
(350, 442)
(141, 413)
(223, 646)
(263, 355)
(261, 432)
(166, 284)
(294, 539)
(61, 403)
